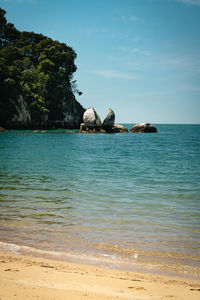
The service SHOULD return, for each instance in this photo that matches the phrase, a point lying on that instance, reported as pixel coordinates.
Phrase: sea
(129, 201)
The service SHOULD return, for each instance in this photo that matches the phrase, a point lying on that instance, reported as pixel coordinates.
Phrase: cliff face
(71, 116)
(72, 112)
(22, 116)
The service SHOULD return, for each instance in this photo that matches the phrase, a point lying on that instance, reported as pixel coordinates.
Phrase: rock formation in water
(92, 123)
(143, 127)
(91, 119)
(119, 128)
(109, 120)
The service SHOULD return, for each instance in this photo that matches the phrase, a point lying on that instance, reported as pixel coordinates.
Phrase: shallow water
(120, 200)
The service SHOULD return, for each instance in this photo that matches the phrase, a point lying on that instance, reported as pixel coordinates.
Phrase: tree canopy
(36, 67)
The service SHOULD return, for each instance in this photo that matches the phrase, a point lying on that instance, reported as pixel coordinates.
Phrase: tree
(36, 67)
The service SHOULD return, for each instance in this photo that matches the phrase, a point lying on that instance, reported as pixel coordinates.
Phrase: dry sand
(39, 278)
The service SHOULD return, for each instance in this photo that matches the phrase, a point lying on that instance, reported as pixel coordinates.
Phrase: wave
(137, 262)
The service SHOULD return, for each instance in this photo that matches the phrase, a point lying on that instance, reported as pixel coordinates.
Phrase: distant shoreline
(2, 128)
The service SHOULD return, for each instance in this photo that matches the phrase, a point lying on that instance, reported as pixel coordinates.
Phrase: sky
(139, 57)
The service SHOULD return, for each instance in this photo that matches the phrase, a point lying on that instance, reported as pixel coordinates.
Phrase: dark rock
(70, 116)
(83, 127)
(89, 130)
(143, 127)
(119, 128)
(115, 129)
(72, 112)
(101, 130)
(109, 120)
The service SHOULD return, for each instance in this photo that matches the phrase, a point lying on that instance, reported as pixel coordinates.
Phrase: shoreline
(31, 277)
(141, 262)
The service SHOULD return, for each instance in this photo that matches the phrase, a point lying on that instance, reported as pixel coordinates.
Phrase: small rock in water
(119, 128)
(143, 127)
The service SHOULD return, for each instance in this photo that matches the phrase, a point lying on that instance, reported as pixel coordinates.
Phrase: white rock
(91, 118)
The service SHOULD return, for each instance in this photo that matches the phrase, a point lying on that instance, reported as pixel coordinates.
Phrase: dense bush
(36, 67)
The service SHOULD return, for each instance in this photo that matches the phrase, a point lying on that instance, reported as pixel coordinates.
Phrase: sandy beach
(40, 278)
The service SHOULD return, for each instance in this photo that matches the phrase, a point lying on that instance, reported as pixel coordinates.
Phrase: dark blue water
(129, 200)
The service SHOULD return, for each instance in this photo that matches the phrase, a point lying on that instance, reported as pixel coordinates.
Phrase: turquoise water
(128, 201)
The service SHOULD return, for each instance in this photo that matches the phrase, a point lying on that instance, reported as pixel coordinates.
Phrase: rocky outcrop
(85, 129)
(143, 127)
(22, 118)
(92, 123)
(119, 128)
(72, 112)
(91, 119)
(109, 120)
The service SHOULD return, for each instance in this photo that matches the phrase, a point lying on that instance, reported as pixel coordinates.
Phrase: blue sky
(139, 57)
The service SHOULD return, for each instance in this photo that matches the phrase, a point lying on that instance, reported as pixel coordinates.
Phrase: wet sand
(24, 277)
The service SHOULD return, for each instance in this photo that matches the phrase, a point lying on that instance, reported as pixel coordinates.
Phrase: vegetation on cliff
(39, 70)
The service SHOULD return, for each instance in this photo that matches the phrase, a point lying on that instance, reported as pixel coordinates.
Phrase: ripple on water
(125, 198)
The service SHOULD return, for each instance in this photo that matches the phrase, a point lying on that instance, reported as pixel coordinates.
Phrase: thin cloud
(188, 62)
(133, 18)
(136, 39)
(134, 50)
(136, 66)
(127, 49)
(126, 19)
(113, 74)
(154, 94)
(191, 2)
(178, 90)
(89, 32)
(146, 52)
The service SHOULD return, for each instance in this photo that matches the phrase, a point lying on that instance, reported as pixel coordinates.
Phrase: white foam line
(9, 246)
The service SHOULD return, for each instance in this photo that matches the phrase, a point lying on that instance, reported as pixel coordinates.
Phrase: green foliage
(46, 66)
(36, 67)
(34, 88)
